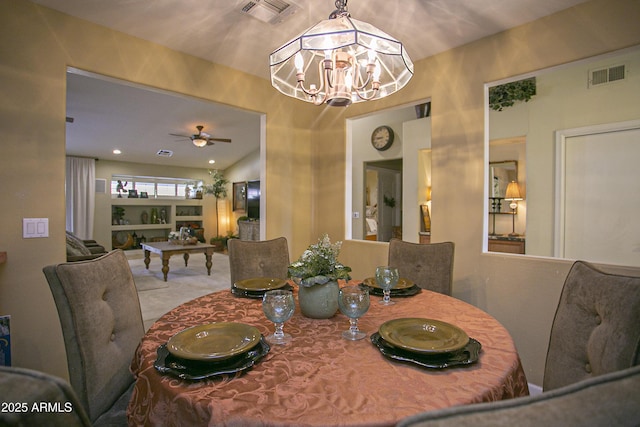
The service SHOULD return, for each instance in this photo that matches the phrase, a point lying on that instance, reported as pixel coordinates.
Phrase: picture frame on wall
(426, 218)
(240, 196)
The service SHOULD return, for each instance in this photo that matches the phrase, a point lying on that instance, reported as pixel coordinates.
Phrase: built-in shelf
(138, 225)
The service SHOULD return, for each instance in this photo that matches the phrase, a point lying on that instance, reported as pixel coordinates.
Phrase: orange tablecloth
(321, 379)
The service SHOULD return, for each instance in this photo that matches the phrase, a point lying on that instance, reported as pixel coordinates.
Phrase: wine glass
(386, 277)
(353, 302)
(278, 305)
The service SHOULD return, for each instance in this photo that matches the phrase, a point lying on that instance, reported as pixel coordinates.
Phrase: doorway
(383, 200)
(152, 129)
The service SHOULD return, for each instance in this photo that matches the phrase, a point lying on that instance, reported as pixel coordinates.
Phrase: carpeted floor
(183, 283)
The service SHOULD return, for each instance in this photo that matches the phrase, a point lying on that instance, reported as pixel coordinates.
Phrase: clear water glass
(387, 278)
(354, 303)
(278, 306)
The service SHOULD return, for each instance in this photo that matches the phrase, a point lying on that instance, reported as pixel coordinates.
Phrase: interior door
(601, 184)
(389, 202)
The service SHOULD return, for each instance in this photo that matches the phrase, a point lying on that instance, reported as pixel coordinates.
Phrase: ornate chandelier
(355, 62)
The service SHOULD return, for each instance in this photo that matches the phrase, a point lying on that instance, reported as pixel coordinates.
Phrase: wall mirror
(576, 143)
(500, 175)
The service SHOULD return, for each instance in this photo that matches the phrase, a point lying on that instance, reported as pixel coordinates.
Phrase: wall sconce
(513, 195)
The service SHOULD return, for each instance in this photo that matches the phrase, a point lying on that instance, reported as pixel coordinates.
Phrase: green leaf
(507, 94)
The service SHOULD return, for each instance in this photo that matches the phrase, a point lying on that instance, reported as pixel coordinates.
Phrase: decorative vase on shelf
(319, 301)
(154, 216)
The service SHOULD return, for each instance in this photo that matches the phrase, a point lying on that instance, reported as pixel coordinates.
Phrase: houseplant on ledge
(317, 272)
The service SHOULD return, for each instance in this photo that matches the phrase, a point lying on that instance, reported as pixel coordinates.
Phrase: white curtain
(80, 196)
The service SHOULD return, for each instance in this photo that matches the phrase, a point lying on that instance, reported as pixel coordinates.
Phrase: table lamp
(513, 195)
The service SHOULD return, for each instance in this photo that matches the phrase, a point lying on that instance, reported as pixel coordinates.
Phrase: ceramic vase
(319, 301)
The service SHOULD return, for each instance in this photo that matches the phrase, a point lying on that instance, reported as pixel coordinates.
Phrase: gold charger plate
(425, 336)
(402, 283)
(260, 284)
(213, 341)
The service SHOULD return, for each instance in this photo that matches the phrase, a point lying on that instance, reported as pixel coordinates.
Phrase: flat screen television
(253, 199)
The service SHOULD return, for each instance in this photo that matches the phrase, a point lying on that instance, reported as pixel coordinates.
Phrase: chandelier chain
(341, 9)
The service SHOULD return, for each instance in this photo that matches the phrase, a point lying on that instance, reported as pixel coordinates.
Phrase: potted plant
(218, 188)
(118, 215)
(220, 242)
(317, 272)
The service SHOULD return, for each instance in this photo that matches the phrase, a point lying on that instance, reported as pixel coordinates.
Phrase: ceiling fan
(201, 139)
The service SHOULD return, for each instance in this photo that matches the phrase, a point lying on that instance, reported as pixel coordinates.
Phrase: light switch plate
(35, 227)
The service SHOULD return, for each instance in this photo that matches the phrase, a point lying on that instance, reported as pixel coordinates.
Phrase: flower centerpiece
(317, 272)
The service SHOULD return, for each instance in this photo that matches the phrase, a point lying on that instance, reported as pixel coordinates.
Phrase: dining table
(320, 378)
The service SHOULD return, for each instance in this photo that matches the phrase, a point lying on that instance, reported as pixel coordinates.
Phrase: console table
(512, 245)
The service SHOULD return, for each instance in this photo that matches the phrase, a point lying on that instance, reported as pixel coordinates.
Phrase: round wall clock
(382, 138)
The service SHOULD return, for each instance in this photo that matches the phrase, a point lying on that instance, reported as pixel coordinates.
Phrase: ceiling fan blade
(181, 136)
(219, 139)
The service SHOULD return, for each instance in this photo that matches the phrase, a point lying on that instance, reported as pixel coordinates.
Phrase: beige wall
(415, 174)
(521, 292)
(305, 154)
(36, 47)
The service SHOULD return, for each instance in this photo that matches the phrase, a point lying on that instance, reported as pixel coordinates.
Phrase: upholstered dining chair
(23, 388)
(102, 325)
(608, 400)
(430, 266)
(258, 258)
(596, 328)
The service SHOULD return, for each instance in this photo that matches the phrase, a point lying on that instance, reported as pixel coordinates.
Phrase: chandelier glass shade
(340, 61)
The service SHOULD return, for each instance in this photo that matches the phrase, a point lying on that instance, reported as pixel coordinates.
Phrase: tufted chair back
(102, 325)
(430, 266)
(252, 258)
(596, 328)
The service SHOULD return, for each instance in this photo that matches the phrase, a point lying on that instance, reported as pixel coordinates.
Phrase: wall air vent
(606, 75)
(164, 153)
(269, 11)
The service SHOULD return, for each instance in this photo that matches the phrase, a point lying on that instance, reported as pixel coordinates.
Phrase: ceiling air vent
(607, 75)
(164, 153)
(269, 11)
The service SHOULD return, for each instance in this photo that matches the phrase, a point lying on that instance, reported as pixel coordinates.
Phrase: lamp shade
(513, 191)
(361, 42)
(199, 142)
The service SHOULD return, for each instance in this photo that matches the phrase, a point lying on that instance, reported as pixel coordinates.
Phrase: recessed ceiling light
(211, 162)
(116, 151)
